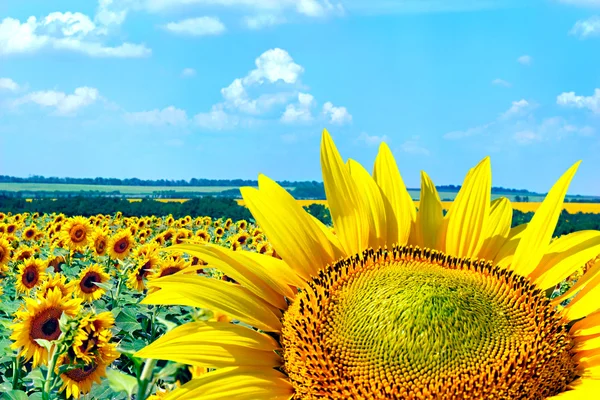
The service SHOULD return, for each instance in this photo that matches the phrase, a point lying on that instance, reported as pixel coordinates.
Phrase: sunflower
(228, 223)
(5, 249)
(79, 380)
(182, 235)
(76, 232)
(39, 319)
(146, 264)
(168, 266)
(120, 244)
(219, 232)
(31, 273)
(53, 281)
(29, 233)
(242, 224)
(11, 228)
(56, 263)
(100, 241)
(25, 253)
(395, 304)
(85, 286)
(203, 235)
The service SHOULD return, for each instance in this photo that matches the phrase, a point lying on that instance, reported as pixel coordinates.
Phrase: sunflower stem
(49, 381)
(117, 293)
(145, 378)
(16, 371)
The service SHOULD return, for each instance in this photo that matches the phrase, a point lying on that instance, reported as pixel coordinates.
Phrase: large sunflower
(120, 244)
(396, 304)
(5, 250)
(39, 319)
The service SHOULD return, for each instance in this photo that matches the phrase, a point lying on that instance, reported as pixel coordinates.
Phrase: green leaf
(14, 395)
(121, 382)
(170, 325)
(106, 286)
(126, 321)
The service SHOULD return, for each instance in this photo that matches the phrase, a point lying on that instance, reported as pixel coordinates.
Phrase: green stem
(49, 381)
(118, 293)
(145, 378)
(16, 371)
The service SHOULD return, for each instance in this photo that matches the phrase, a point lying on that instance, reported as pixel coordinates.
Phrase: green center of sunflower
(418, 323)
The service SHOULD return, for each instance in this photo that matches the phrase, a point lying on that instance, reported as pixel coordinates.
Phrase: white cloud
(64, 104)
(61, 31)
(501, 82)
(216, 119)
(299, 112)
(587, 27)
(263, 21)
(107, 16)
(525, 60)
(372, 140)
(518, 108)
(188, 73)
(200, 26)
(8, 84)
(570, 99)
(413, 146)
(169, 116)
(337, 115)
(274, 65)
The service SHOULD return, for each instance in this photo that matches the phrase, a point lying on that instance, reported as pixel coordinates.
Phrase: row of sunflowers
(70, 300)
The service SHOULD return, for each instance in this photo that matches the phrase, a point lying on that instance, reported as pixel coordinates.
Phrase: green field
(129, 190)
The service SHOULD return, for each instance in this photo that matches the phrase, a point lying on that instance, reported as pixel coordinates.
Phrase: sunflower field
(71, 310)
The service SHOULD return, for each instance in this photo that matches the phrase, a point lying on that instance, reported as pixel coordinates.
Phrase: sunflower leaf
(121, 382)
(14, 395)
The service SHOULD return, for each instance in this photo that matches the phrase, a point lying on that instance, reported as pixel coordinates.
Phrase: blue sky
(232, 88)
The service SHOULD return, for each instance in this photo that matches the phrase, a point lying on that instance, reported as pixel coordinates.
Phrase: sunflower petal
(400, 208)
(497, 229)
(289, 229)
(565, 256)
(430, 216)
(239, 383)
(536, 238)
(214, 345)
(508, 248)
(469, 214)
(232, 264)
(345, 203)
(371, 196)
(228, 298)
(589, 325)
(338, 250)
(582, 282)
(583, 388)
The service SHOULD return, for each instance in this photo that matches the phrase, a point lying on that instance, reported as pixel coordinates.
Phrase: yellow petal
(590, 325)
(536, 238)
(565, 256)
(400, 208)
(345, 203)
(338, 250)
(585, 302)
(289, 228)
(371, 196)
(236, 383)
(430, 216)
(228, 298)
(497, 229)
(469, 213)
(510, 244)
(232, 264)
(587, 343)
(214, 345)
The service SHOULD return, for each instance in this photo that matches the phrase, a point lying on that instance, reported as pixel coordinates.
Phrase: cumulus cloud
(62, 31)
(8, 84)
(216, 119)
(570, 99)
(525, 60)
(586, 28)
(169, 116)
(62, 103)
(200, 26)
(336, 115)
(300, 111)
